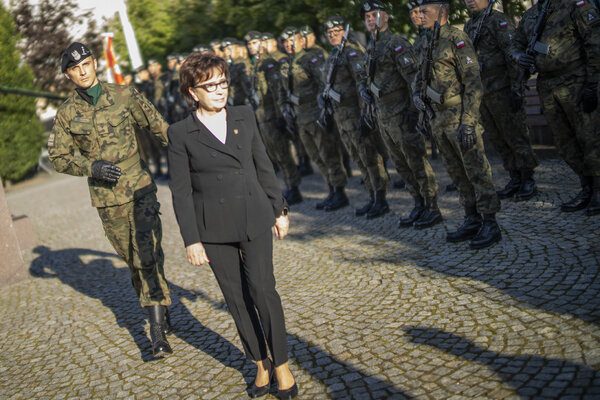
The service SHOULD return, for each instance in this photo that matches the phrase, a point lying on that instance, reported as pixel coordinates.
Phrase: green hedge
(21, 133)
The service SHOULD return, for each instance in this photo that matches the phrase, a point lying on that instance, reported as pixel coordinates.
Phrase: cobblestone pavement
(372, 311)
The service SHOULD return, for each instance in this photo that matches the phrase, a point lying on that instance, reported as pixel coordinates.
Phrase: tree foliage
(163, 27)
(21, 136)
(46, 28)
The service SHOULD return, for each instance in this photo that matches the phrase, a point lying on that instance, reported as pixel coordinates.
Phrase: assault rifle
(482, 18)
(425, 93)
(371, 62)
(329, 94)
(534, 47)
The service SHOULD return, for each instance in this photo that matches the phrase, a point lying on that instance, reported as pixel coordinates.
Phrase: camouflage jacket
(266, 81)
(106, 132)
(239, 89)
(493, 50)
(455, 72)
(572, 31)
(305, 72)
(350, 75)
(396, 65)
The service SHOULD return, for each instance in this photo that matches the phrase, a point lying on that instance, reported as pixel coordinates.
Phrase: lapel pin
(235, 131)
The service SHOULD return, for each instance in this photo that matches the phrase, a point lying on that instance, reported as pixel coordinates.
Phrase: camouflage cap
(372, 5)
(201, 48)
(306, 30)
(267, 36)
(410, 4)
(73, 55)
(288, 32)
(334, 21)
(253, 35)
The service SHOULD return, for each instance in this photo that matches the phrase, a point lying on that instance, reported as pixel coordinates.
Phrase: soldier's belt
(574, 65)
(129, 162)
(295, 100)
(375, 91)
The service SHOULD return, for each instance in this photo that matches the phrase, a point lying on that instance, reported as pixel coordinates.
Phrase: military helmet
(228, 42)
(201, 48)
(173, 56)
(425, 2)
(267, 36)
(371, 5)
(289, 32)
(253, 35)
(411, 4)
(334, 21)
(306, 30)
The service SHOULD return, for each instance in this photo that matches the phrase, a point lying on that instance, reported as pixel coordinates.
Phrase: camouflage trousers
(407, 149)
(507, 131)
(576, 133)
(363, 150)
(324, 148)
(134, 230)
(277, 144)
(469, 170)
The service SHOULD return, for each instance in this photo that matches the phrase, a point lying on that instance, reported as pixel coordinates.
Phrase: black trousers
(244, 271)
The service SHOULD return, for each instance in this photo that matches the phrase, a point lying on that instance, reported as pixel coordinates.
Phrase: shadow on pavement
(531, 376)
(342, 379)
(101, 280)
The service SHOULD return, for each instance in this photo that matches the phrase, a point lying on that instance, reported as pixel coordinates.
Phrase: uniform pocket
(81, 131)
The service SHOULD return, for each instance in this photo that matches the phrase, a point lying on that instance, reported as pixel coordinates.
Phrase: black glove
(589, 97)
(366, 96)
(418, 102)
(466, 136)
(410, 120)
(524, 60)
(516, 100)
(106, 171)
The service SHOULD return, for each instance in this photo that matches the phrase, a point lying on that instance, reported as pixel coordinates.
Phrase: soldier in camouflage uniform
(239, 67)
(455, 92)
(99, 118)
(342, 93)
(389, 91)
(502, 114)
(264, 83)
(300, 99)
(567, 59)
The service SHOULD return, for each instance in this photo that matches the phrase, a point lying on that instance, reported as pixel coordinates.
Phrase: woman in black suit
(227, 201)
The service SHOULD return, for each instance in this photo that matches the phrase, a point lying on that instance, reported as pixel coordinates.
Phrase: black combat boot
(528, 188)
(304, 167)
(338, 200)
(512, 186)
(414, 215)
(293, 196)
(380, 206)
(582, 199)
(594, 205)
(168, 328)
(431, 216)
(468, 229)
(160, 345)
(488, 234)
(359, 212)
(321, 205)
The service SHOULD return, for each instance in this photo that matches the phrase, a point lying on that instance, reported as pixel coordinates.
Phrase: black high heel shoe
(259, 391)
(287, 393)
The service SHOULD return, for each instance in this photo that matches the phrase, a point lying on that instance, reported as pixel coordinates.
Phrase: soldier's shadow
(100, 279)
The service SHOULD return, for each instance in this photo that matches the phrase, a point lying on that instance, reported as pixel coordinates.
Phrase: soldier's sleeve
(355, 62)
(467, 67)
(406, 59)
(587, 21)
(61, 150)
(504, 30)
(283, 88)
(314, 67)
(520, 40)
(147, 116)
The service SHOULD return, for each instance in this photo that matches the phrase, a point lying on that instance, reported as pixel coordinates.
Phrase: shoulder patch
(503, 24)
(460, 44)
(591, 17)
(580, 3)
(469, 60)
(314, 60)
(283, 60)
(398, 49)
(352, 54)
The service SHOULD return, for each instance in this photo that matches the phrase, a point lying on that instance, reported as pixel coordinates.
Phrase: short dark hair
(197, 68)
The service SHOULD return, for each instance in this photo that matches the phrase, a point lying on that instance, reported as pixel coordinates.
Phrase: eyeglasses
(332, 32)
(211, 87)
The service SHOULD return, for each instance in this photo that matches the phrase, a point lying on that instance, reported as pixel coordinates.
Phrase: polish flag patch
(460, 44)
(398, 49)
(352, 54)
(580, 3)
(314, 60)
(503, 24)
(270, 66)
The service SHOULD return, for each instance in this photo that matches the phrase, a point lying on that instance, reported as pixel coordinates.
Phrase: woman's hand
(282, 225)
(196, 254)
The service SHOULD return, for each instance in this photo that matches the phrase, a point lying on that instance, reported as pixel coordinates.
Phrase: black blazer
(222, 193)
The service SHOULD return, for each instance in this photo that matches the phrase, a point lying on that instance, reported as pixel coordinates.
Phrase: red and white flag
(114, 71)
